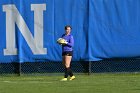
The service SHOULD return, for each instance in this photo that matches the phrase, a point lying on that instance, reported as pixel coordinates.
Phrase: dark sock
(70, 72)
(66, 73)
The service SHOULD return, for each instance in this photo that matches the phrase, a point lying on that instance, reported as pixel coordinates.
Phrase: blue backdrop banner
(101, 29)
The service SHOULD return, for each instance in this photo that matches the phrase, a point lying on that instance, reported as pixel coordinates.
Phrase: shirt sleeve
(62, 36)
(71, 42)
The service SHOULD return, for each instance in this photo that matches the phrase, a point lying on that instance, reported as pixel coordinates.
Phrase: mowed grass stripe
(96, 83)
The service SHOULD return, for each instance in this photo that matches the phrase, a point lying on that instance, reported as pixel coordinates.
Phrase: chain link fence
(104, 66)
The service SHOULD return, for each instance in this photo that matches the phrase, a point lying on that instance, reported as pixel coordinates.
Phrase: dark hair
(67, 27)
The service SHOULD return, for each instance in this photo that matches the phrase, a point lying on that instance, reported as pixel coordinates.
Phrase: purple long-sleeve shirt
(70, 44)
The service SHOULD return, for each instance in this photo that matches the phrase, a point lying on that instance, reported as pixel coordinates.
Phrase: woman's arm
(71, 42)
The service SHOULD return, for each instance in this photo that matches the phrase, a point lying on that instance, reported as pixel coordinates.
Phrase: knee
(67, 66)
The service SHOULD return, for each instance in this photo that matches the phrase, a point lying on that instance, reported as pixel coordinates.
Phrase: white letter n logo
(13, 17)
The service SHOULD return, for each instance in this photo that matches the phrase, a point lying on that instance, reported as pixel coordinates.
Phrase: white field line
(25, 82)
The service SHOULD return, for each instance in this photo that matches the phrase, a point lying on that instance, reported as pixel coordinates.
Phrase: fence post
(89, 68)
(19, 70)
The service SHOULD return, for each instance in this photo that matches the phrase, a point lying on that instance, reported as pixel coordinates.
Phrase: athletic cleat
(72, 78)
(64, 79)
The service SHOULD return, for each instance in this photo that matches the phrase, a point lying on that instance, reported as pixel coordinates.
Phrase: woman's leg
(67, 65)
(64, 64)
(67, 62)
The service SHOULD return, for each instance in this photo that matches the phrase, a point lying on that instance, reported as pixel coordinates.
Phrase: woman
(67, 52)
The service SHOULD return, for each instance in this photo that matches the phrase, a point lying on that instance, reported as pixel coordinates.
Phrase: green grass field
(95, 83)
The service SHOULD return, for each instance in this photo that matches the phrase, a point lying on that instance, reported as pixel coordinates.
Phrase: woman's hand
(62, 41)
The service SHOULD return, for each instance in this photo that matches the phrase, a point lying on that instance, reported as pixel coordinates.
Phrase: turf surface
(96, 83)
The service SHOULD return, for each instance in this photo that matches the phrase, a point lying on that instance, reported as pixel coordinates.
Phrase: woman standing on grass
(67, 52)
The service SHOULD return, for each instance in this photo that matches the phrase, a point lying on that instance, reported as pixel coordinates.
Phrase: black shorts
(67, 53)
